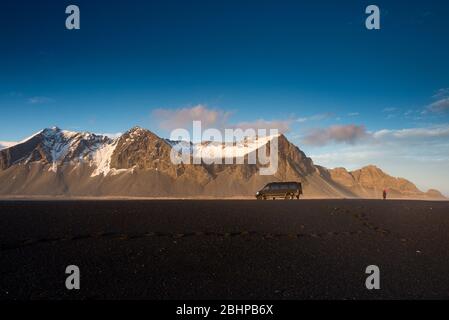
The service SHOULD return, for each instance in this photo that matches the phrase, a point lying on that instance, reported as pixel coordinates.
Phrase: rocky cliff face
(59, 162)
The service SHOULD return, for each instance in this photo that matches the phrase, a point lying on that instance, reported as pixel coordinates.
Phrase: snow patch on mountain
(6, 144)
(214, 150)
(101, 158)
(31, 137)
(232, 150)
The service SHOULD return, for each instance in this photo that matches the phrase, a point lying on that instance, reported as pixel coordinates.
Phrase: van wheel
(264, 198)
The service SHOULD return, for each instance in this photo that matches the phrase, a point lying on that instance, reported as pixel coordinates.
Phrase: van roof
(286, 182)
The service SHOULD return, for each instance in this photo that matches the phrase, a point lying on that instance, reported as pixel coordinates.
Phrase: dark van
(285, 190)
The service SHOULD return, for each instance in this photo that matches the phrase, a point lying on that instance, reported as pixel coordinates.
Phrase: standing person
(384, 194)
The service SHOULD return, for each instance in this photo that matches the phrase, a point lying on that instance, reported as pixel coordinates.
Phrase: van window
(282, 186)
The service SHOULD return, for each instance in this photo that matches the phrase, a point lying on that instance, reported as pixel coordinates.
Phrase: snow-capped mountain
(138, 163)
(54, 147)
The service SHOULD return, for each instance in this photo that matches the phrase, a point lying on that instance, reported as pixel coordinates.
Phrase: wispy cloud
(282, 126)
(441, 93)
(339, 134)
(439, 106)
(170, 119)
(412, 133)
(15, 94)
(409, 112)
(352, 134)
(316, 117)
(389, 110)
(348, 158)
(39, 100)
(441, 103)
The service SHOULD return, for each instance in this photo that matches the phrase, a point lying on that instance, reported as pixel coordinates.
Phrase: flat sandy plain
(230, 249)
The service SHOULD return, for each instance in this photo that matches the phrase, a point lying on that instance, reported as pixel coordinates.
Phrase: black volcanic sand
(307, 249)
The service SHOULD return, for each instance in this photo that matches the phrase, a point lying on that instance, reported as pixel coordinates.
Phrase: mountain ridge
(137, 163)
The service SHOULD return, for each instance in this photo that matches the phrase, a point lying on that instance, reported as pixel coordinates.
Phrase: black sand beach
(173, 249)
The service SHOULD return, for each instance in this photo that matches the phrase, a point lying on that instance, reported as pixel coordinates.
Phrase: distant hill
(65, 163)
(370, 181)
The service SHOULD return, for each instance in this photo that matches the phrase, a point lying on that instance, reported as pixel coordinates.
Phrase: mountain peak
(137, 132)
(137, 129)
(371, 167)
(52, 129)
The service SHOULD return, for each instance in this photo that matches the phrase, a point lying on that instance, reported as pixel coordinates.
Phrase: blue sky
(310, 67)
